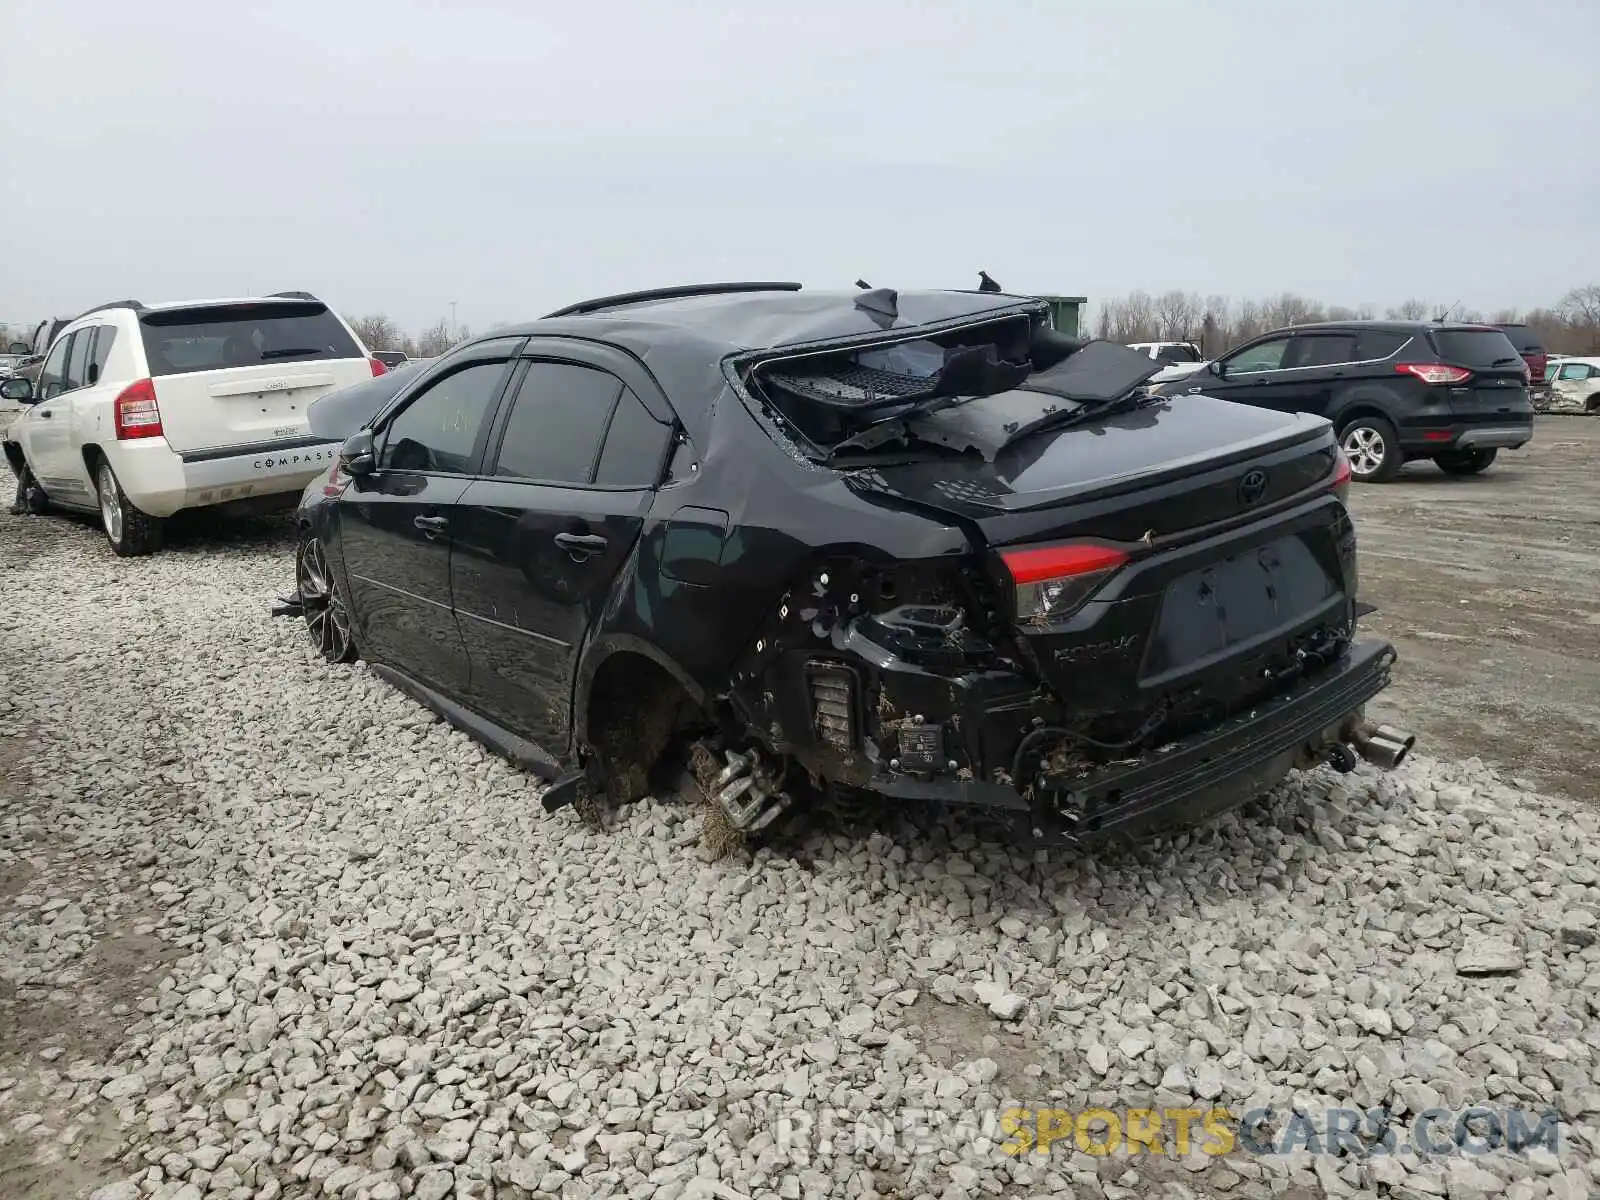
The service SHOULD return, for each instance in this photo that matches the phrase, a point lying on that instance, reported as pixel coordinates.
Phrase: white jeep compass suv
(143, 410)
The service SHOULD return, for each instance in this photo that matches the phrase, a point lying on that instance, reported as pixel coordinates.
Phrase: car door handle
(580, 545)
(431, 525)
(45, 414)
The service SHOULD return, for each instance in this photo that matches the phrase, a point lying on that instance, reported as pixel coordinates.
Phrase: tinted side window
(54, 371)
(104, 338)
(1324, 349)
(635, 445)
(556, 421)
(438, 429)
(1266, 356)
(78, 360)
(1376, 343)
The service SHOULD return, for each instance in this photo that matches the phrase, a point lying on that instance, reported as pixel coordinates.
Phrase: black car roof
(684, 340)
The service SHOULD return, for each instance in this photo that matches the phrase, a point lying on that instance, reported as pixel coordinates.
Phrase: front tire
(130, 531)
(31, 497)
(1466, 462)
(1373, 448)
(322, 601)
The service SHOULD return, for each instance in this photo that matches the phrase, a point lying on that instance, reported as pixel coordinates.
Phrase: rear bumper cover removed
(1227, 765)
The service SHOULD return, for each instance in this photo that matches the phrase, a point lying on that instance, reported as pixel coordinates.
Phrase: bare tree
(1248, 324)
(1411, 310)
(434, 340)
(1581, 306)
(1289, 309)
(1177, 316)
(1139, 318)
(376, 331)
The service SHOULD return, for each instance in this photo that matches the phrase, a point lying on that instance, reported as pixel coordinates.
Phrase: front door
(47, 425)
(1253, 375)
(395, 525)
(542, 535)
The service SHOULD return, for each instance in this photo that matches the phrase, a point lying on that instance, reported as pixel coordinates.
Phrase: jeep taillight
(135, 413)
(1435, 372)
(1053, 581)
(377, 367)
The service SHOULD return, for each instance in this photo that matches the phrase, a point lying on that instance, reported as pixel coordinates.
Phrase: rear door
(93, 390)
(1498, 388)
(241, 375)
(395, 525)
(1317, 364)
(544, 532)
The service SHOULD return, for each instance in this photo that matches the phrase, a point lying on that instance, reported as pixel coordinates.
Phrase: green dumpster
(1066, 312)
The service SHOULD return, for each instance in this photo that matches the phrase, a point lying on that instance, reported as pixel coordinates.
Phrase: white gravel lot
(272, 930)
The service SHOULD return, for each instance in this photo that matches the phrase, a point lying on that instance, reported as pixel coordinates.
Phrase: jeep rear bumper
(1201, 776)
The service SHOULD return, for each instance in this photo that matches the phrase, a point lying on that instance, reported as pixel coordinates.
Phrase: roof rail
(134, 304)
(668, 293)
(290, 296)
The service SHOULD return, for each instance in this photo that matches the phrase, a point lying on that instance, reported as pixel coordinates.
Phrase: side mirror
(1216, 368)
(17, 388)
(357, 456)
(19, 348)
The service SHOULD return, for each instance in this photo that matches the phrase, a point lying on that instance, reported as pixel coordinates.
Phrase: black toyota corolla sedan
(915, 544)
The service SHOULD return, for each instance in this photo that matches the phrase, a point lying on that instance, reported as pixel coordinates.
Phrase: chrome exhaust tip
(1382, 745)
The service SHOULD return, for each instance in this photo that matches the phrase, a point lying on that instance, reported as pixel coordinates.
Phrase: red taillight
(377, 367)
(1536, 366)
(135, 413)
(1435, 372)
(1053, 581)
(1341, 470)
(1438, 435)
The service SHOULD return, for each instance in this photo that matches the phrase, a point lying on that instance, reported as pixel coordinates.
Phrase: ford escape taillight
(1435, 372)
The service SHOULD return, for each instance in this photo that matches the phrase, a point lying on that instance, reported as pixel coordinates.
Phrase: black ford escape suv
(917, 544)
(1395, 390)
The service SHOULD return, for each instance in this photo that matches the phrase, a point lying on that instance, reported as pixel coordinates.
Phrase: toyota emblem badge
(1252, 486)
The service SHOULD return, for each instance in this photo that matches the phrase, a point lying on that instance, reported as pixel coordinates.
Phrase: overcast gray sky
(395, 156)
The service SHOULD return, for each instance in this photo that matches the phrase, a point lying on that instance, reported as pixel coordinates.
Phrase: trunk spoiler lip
(1289, 438)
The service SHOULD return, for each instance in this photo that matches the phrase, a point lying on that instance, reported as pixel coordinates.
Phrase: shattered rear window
(828, 398)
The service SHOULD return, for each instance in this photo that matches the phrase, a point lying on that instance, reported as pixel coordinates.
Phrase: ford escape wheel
(1373, 448)
(130, 532)
(327, 615)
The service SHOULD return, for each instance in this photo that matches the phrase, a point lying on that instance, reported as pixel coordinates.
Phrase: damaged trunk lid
(1160, 564)
(1164, 468)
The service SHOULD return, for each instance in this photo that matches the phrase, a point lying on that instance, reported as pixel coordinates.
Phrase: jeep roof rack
(668, 293)
(133, 304)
